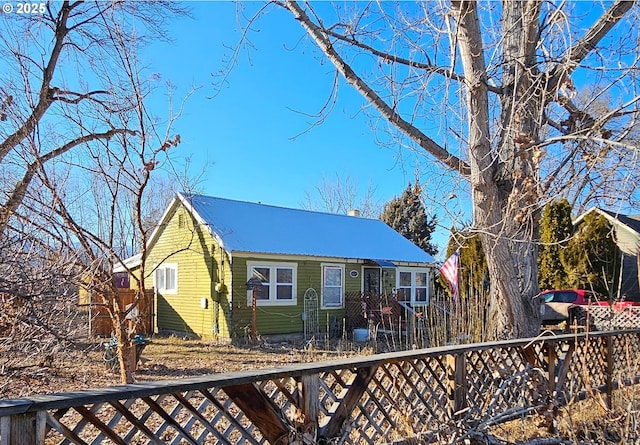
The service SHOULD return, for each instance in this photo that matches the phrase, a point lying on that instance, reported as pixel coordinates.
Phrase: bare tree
(78, 148)
(341, 196)
(525, 100)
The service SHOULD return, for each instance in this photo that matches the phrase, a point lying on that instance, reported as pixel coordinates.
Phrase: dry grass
(583, 422)
(81, 365)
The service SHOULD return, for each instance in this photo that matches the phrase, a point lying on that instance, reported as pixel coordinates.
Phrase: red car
(555, 304)
(573, 296)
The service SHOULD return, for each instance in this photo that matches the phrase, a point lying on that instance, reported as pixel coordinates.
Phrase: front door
(371, 280)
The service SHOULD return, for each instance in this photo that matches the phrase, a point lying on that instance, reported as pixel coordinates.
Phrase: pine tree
(592, 259)
(556, 229)
(407, 215)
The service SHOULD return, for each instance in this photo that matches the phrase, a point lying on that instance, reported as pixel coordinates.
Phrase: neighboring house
(205, 249)
(627, 238)
(122, 272)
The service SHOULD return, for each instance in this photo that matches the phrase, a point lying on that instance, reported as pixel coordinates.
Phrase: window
(413, 286)
(563, 297)
(421, 283)
(404, 286)
(278, 283)
(332, 286)
(166, 278)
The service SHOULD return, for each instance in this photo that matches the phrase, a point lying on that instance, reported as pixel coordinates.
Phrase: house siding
(287, 319)
(626, 240)
(201, 264)
(629, 245)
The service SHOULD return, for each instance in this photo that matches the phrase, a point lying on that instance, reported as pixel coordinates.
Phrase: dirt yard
(82, 366)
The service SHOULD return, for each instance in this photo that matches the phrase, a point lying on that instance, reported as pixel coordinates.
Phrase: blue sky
(246, 134)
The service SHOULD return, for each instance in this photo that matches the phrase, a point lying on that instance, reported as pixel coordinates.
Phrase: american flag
(449, 270)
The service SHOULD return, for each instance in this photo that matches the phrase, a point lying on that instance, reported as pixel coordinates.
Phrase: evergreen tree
(556, 229)
(473, 272)
(592, 259)
(407, 215)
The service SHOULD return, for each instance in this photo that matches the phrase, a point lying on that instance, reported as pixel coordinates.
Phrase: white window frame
(413, 286)
(164, 267)
(273, 266)
(341, 267)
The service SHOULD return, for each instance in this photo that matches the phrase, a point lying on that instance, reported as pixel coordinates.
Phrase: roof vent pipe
(353, 212)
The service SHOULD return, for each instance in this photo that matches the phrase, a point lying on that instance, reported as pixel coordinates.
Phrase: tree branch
(449, 74)
(21, 187)
(472, 56)
(320, 37)
(78, 97)
(45, 96)
(587, 43)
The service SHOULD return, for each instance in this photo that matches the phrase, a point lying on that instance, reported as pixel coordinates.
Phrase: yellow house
(205, 250)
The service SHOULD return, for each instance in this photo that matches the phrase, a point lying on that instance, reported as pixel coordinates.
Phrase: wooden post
(310, 389)
(23, 429)
(254, 315)
(457, 366)
(261, 411)
(552, 410)
(348, 403)
(254, 284)
(411, 327)
(552, 360)
(609, 371)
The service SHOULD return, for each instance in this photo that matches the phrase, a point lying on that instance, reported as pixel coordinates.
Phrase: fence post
(23, 429)
(552, 408)
(457, 366)
(609, 371)
(310, 389)
(552, 361)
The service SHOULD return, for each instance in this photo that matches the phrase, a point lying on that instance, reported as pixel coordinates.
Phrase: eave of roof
(128, 263)
(618, 219)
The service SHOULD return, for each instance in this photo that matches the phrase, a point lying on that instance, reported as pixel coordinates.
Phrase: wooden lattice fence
(604, 318)
(416, 395)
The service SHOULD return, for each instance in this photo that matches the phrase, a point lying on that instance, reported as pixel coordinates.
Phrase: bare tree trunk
(514, 103)
(503, 185)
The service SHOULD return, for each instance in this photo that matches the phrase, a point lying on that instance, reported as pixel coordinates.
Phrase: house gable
(627, 229)
(627, 238)
(193, 302)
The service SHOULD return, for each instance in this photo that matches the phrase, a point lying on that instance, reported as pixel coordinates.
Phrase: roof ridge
(187, 195)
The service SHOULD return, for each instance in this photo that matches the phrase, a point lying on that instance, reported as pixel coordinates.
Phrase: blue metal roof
(260, 228)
